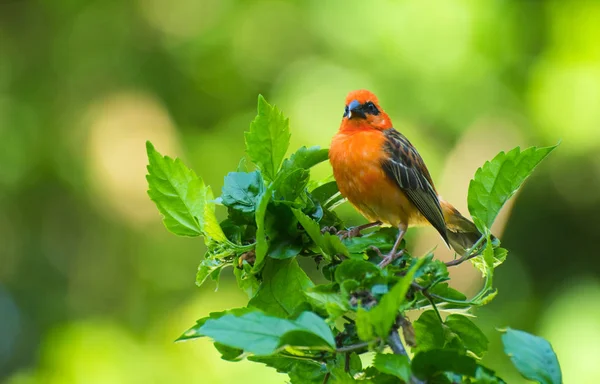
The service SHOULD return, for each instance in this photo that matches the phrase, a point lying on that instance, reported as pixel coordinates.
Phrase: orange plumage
(379, 171)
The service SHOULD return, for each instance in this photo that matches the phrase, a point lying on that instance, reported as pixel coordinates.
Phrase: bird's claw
(374, 248)
(389, 258)
(328, 229)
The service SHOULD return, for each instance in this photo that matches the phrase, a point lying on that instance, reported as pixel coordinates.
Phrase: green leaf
(499, 257)
(471, 336)
(306, 158)
(327, 298)
(383, 315)
(280, 248)
(498, 180)
(282, 288)
(488, 292)
(241, 191)
(262, 242)
(281, 229)
(486, 376)
(310, 326)
(204, 211)
(383, 239)
(286, 364)
(246, 280)
(262, 238)
(228, 353)
(268, 138)
(364, 329)
(292, 185)
(444, 290)
(428, 364)
(187, 205)
(305, 374)
(302, 371)
(261, 334)
(294, 177)
(533, 356)
(329, 244)
(194, 332)
(374, 376)
(397, 365)
(355, 363)
(327, 194)
(359, 270)
(207, 267)
(339, 376)
(429, 332)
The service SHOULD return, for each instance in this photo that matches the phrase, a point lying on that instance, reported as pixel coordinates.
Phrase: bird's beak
(355, 110)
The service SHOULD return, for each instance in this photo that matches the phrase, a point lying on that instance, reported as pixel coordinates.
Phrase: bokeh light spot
(119, 125)
(571, 324)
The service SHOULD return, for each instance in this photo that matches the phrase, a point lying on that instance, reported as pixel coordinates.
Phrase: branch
(398, 348)
(460, 260)
(429, 296)
(396, 343)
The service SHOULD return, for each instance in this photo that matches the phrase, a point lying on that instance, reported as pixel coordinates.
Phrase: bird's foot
(389, 258)
(332, 230)
(349, 233)
(374, 248)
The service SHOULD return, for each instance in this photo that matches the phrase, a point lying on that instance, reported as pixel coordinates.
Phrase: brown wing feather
(406, 168)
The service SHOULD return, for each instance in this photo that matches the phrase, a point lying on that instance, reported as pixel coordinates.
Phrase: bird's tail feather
(462, 233)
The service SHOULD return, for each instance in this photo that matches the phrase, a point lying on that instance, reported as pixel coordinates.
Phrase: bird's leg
(393, 255)
(354, 232)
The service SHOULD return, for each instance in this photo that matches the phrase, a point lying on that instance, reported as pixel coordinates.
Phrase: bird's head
(363, 112)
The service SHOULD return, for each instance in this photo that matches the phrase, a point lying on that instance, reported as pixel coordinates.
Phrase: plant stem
(347, 363)
(354, 347)
(430, 298)
(468, 255)
(326, 378)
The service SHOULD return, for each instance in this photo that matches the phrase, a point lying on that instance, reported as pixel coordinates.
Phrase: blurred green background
(92, 287)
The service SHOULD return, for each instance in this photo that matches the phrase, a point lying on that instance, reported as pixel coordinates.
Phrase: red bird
(380, 172)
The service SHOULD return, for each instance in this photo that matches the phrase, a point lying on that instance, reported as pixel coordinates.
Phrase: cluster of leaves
(317, 332)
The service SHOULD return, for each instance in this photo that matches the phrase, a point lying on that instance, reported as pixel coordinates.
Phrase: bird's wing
(405, 167)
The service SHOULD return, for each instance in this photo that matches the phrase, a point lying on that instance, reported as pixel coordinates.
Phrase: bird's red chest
(356, 161)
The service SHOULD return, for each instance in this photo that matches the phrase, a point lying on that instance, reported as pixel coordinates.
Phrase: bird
(383, 176)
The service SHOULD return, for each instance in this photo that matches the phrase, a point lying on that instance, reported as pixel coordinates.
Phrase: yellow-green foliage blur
(93, 289)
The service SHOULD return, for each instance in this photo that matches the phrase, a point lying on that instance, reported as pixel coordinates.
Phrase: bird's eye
(371, 108)
(346, 111)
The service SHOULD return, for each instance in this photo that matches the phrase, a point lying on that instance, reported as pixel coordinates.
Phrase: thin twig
(326, 378)
(347, 363)
(423, 289)
(429, 296)
(354, 347)
(455, 262)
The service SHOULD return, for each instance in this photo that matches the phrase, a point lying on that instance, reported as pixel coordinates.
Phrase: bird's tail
(462, 233)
